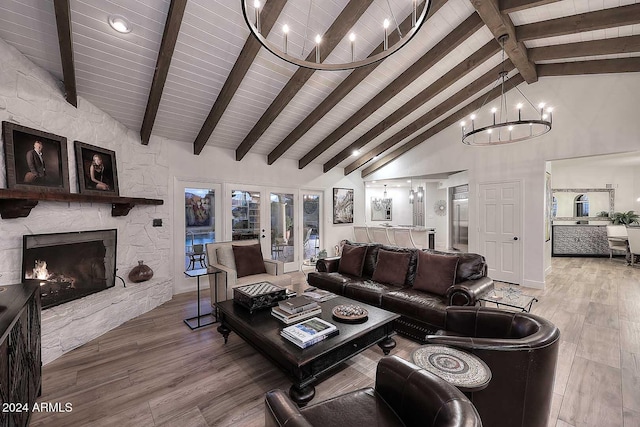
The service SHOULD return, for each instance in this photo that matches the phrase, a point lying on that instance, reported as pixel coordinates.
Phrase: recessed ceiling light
(120, 24)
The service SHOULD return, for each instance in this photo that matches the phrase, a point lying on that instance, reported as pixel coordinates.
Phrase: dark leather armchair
(404, 395)
(521, 350)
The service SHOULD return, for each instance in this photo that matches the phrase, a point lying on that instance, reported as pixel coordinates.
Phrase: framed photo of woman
(96, 167)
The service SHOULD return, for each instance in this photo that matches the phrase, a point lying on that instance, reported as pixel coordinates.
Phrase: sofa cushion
(415, 304)
(369, 259)
(392, 267)
(470, 266)
(225, 256)
(248, 260)
(436, 273)
(332, 282)
(413, 261)
(352, 260)
(367, 291)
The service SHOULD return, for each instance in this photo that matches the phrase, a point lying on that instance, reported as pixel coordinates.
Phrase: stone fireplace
(69, 266)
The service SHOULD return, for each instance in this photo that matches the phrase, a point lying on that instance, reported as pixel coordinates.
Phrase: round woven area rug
(457, 367)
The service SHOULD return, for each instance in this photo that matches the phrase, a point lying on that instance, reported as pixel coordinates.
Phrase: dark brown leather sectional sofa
(422, 312)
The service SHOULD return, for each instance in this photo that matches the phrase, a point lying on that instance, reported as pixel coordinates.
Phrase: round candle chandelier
(498, 127)
(280, 42)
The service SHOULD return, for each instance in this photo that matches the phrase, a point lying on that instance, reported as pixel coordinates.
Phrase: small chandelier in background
(307, 59)
(381, 204)
(412, 195)
(502, 130)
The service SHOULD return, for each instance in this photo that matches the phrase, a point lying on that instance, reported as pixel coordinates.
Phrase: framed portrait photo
(35, 160)
(343, 205)
(96, 167)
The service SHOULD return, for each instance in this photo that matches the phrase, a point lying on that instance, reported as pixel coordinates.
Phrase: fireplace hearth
(69, 266)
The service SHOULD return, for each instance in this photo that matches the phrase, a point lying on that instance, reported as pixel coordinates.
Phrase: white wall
(31, 97)
(594, 114)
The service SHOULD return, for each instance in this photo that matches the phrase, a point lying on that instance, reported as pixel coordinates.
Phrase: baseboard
(533, 284)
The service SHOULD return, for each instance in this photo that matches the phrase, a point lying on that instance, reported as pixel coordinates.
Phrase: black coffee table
(305, 366)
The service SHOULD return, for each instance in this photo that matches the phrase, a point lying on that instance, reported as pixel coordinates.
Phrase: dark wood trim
(499, 25)
(440, 126)
(269, 15)
(461, 33)
(343, 89)
(467, 92)
(508, 6)
(601, 66)
(334, 35)
(65, 40)
(474, 60)
(168, 44)
(18, 203)
(607, 18)
(590, 48)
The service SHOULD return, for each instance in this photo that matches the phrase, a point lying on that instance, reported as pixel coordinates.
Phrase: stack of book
(309, 332)
(319, 295)
(295, 309)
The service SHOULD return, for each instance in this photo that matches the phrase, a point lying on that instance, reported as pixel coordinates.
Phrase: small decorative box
(259, 295)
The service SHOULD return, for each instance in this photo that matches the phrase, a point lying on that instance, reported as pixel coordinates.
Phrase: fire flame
(40, 271)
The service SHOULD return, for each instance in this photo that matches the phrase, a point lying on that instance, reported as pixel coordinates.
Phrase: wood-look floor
(154, 371)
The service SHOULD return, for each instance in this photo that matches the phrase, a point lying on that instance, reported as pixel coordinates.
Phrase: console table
(20, 352)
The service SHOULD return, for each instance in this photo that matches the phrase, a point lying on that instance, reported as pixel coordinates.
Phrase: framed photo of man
(35, 160)
(97, 173)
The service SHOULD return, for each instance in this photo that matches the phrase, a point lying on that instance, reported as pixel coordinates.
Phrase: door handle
(263, 236)
(515, 238)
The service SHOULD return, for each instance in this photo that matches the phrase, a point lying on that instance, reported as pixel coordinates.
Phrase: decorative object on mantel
(35, 160)
(140, 273)
(18, 203)
(503, 130)
(440, 208)
(313, 35)
(96, 168)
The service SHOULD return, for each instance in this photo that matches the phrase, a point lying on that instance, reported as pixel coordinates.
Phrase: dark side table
(196, 322)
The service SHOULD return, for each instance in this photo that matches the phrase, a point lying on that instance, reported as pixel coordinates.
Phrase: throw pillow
(352, 260)
(391, 267)
(248, 260)
(225, 257)
(436, 273)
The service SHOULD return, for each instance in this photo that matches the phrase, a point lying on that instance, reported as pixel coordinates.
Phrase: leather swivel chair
(404, 395)
(521, 350)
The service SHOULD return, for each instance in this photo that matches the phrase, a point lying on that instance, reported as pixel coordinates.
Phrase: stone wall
(32, 97)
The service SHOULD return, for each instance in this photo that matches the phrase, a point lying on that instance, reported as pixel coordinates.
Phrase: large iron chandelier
(501, 129)
(280, 43)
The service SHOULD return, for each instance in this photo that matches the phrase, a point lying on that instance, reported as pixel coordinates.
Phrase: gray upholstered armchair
(521, 350)
(220, 255)
(404, 395)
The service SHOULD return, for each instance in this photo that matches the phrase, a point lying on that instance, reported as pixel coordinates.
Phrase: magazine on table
(319, 295)
(288, 318)
(309, 329)
(311, 342)
(297, 304)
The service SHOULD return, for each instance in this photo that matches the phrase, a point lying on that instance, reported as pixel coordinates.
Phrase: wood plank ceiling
(190, 71)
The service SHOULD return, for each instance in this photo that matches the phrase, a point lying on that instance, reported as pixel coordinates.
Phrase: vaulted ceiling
(190, 70)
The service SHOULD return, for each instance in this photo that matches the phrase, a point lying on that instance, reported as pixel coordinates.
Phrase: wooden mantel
(18, 203)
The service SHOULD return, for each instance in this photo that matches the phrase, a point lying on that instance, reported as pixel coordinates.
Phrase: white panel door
(500, 226)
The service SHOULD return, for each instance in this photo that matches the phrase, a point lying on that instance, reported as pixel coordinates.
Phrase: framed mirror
(582, 204)
(381, 209)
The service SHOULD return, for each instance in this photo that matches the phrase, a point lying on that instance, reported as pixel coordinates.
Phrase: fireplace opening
(69, 266)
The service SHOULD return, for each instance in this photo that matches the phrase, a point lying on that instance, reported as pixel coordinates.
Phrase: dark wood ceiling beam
(343, 89)
(167, 46)
(459, 71)
(499, 25)
(440, 126)
(601, 66)
(472, 24)
(268, 17)
(65, 40)
(508, 6)
(601, 19)
(467, 92)
(590, 48)
(343, 23)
